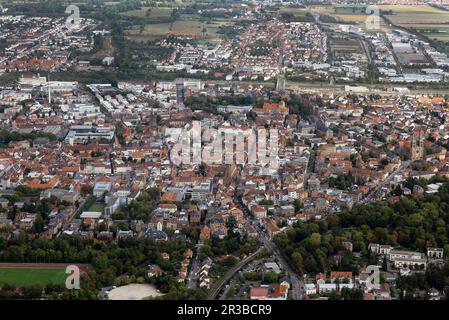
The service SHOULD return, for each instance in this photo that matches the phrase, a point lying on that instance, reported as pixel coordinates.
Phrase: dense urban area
(126, 135)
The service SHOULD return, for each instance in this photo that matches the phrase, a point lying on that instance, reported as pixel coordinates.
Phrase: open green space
(186, 25)
(149, 12)
(21, 277)
(96, 207)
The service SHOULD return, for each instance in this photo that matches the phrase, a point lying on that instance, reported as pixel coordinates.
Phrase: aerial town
(255, 150)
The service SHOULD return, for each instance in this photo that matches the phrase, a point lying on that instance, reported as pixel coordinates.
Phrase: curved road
(228, 276)
(296, 283)
(375, 193)
(297, 286)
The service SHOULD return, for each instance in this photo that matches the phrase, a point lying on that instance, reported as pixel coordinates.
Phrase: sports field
(20, 277)
(26, 274)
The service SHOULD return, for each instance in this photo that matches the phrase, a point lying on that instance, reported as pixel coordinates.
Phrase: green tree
(298, 263)
(271, 277)
(202, 169)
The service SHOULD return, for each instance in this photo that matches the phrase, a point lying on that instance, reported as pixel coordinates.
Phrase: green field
(352, 14)
(431, 31)
(187, 25)
(428, 21)
(350, 9)
(431, 22)
(96, 207)
(20, 277)
(149, 12)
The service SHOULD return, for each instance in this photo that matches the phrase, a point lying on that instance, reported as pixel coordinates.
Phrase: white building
(310, 288)
(401, 258)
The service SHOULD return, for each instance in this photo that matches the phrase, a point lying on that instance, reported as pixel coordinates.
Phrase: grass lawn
(96, 207)
(20, 277)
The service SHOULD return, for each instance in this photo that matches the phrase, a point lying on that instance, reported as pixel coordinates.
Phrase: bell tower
(417, 149)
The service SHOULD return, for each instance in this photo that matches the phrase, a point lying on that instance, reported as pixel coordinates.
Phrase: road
(218, 286)
(297, 285)
(195, 269)
(235, 279)
(323, 51)
(367, 51)
(326, 88)
(375, 193)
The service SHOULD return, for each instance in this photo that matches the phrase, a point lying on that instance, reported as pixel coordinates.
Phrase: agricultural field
(321, 9)
(355, 14)
(419, 18)
(428, 21)
(346, 45)
(187, 25)
(350, 9)
(149, 12)
(411, 9)
(351, 17)
(360, 21)
(20, 277)
(420, 14)
(432, 31)
(295, 11)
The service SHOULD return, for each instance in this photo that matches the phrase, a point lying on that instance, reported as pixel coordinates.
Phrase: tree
(271, 277)
(298, 263)
(86, 189)
(315, 239)
(281, 240)
(100, 262)
(385, 264)
(33, 291)
(351, 294)
(206, 251)
(202, 169)
(231, 293)
(298, 205)
(310, 265)
(38, 225)
(251, 116)
(398, 191)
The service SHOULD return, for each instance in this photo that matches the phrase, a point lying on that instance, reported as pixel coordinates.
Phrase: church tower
(417, 149)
